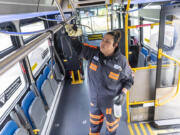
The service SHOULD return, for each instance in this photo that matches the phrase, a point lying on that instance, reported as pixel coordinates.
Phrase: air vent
(86, 3)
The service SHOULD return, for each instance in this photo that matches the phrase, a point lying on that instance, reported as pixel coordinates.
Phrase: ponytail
(116, 34)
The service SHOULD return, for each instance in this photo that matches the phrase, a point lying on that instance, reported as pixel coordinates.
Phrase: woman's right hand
(73, 31)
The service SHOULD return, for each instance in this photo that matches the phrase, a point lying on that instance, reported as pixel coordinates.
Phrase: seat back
(26, 103)
(9, 128)
(46, 72)
(21, 131)
(37, 113)
(145, 51)
(39, 82)
(153, 58)
(47, 92)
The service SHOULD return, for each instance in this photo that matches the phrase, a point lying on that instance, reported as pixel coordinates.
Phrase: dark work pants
(97, 116)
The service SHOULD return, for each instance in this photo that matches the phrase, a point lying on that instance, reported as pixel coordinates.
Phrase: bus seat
(11, 128)
(34, 110)
(26, 102)
(46, 72)
(141, 60)
(57, 71)
(44, 87)
(47, 92)
(50, 62)
(53, 82)
(145, 51)
(37, 113)
(153, 58)
(21, 131)
(39, 82)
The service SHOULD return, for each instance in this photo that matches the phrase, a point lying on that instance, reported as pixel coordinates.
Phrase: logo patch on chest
(96, 58)
(117, 67)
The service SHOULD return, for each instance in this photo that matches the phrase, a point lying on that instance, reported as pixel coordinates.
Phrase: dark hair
(116, 34)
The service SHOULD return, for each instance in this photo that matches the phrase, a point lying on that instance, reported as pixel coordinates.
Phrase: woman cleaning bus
(109, 78)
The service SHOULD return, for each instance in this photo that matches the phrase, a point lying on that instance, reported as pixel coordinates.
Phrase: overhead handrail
(22, 52)
(146, 25)
(152, 67)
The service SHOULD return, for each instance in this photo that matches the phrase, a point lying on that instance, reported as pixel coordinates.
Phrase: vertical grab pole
(60, 10)
(72, 5)
(126, 53)
(126, 29)
(127, 107)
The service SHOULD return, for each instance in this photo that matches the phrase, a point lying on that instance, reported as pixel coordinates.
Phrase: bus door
(167, 95)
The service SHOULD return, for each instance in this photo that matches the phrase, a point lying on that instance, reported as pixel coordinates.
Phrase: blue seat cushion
(26, 103)
(46, 72)
(9, 128)
(145, 51)
(39, 82)
(153, 57)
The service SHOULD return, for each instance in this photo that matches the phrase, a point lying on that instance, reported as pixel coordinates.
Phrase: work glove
(73, 30)
(118, 101)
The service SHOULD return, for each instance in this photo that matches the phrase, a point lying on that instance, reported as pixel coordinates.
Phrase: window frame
(9, 26)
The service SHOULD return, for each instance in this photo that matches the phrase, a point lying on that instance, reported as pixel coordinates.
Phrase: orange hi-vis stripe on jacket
(86, 44)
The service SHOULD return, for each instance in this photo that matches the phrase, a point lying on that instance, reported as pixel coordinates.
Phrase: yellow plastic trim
(34, 66)
(151, 67)
(127, 107)
(159, 53)
(140, 102)
(177, 90)
(36, 131)
(126, 30)
(79, 81)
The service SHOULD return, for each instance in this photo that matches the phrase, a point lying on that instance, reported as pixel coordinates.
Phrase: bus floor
(72, 116)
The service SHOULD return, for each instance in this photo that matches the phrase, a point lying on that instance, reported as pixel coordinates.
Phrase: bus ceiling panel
(46, 2)
(13, 17)
(24, 6)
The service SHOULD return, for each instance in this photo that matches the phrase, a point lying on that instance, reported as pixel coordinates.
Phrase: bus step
(171, 123)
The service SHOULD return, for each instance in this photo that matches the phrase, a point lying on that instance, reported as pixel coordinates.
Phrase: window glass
(96, 19)
(12, 84)
(134, 32)
(5, 42)
(151, 35)
(32, 27)
(39, 57)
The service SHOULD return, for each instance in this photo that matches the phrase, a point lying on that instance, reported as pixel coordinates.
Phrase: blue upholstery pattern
(153, 57)
(50, 63)
(145, 51)
(46, 72)
(39, 82)
(9, 128)
(26, 103)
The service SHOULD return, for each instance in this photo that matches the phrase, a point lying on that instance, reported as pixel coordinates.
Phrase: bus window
(151, 35)
(32, 27)
(8, 43)
(5, 42)
(12, 85)
(39, 57)
(96, 19)
(171, 36)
